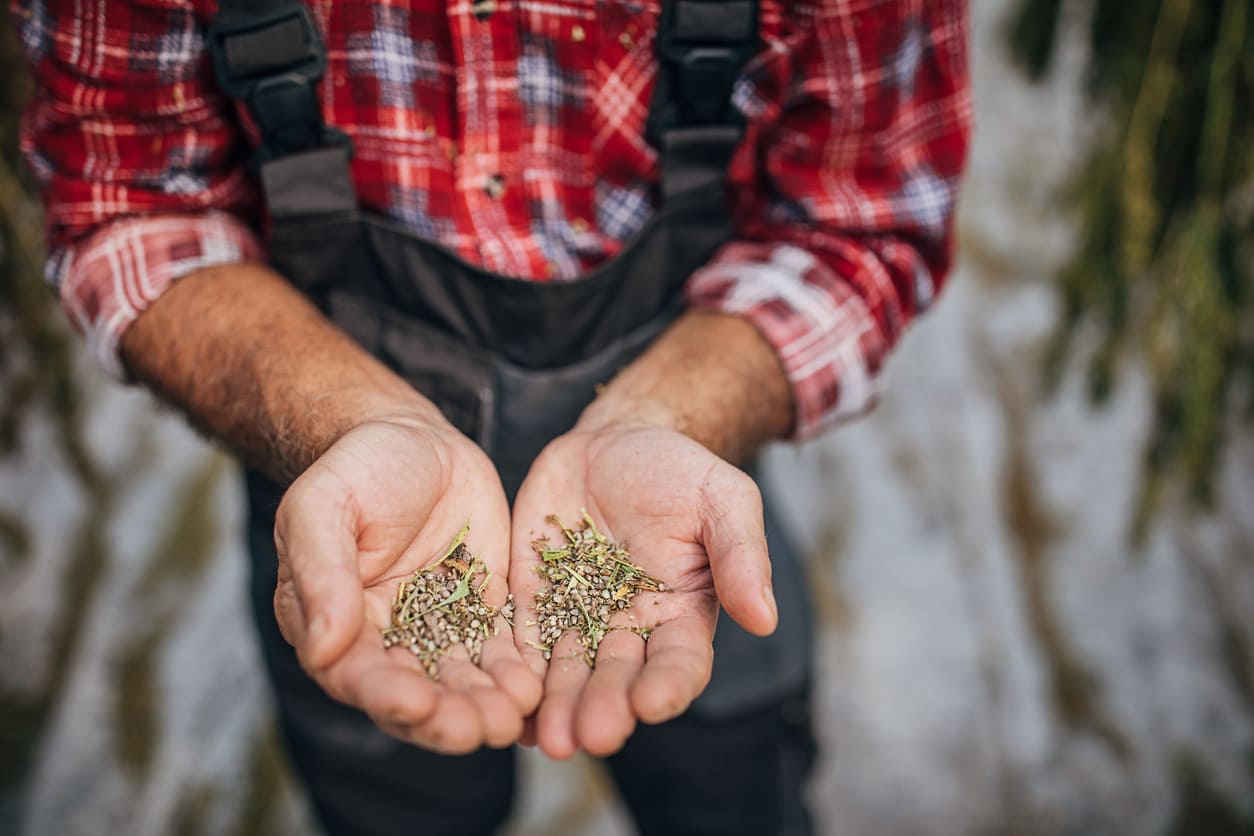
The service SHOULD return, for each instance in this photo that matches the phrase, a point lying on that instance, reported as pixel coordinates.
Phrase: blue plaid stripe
(36, 28)
(745, 98)
(543, 85)
(172, 55)
(55, 268)
(622, 210)
(409, 207)
(557, 240)
(184, 170)
(925, 201)
(388, 54)
(904, 63)
(39, 164)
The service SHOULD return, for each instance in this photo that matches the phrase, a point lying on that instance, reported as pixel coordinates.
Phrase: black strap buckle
(704, 79)
(702, 45)
(281, 42)
(271, 61)
(689, 24)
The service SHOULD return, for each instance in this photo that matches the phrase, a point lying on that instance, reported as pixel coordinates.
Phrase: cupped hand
(381, 503)
(691, 520)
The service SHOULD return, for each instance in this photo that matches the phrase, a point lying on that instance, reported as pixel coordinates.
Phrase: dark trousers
(693, 775)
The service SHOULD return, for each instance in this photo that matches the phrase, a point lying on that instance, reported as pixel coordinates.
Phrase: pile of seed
(587, 580)
(442, 605)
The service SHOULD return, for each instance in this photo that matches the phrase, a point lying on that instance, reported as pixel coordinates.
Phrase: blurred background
(1034, 564)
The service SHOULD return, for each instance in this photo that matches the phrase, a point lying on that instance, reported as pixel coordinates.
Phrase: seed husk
(441, 606)
(587, 580)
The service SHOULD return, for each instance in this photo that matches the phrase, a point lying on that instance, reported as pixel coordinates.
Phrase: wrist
(383, 397)
(712, 377)
(332, 402)
(617, 408)
(253, 363)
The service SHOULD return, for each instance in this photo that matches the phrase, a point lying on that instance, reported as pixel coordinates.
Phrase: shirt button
(495, 187)
(577, 34)
(483, 9)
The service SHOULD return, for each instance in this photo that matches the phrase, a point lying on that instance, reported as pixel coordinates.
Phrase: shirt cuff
(823, 331)
(111, 277)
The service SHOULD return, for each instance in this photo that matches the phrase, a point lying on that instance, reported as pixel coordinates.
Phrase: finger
(501, 661)
(315, 538)
(605, 718)
(455, 725)
(555, 724)
(499, 717)
(453, 729)
(369, 678)
(489, 537)
(678, 659)
(524, 581)
(735, 539)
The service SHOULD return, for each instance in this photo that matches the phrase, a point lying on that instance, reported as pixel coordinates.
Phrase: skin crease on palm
(383, 481)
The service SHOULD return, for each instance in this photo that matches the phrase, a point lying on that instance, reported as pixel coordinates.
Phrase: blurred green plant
(1165, 203)
(36, 351)
(37, 377)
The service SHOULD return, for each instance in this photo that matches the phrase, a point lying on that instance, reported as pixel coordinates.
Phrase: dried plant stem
(587, 580)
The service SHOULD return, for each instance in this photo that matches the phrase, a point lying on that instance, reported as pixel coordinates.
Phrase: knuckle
(728, 491)
(744, 488)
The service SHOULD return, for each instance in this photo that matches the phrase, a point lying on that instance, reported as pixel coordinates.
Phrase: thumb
(315, 535)
(734, 535)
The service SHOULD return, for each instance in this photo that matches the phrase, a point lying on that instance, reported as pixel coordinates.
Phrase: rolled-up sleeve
(859, 117)
(138, 157)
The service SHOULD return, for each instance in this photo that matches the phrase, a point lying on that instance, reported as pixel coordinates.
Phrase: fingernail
(768, 595)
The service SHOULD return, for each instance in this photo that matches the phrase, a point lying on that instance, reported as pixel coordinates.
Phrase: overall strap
(269, 54)
(702, 46)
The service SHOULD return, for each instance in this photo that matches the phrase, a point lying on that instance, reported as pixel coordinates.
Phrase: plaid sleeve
(138, 156)
(859, 117)
(108, 279)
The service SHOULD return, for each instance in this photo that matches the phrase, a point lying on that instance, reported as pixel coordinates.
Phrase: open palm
(380, 504)
(691, 520)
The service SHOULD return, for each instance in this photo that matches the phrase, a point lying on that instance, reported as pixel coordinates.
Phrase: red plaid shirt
(858, 114)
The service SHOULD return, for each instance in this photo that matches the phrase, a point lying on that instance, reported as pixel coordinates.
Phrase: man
(720, 214)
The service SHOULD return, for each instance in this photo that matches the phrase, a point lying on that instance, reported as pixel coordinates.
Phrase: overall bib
(512, 364)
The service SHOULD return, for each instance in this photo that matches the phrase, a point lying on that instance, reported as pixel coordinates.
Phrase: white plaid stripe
(817, 323)
(619, 102)
(136, 260)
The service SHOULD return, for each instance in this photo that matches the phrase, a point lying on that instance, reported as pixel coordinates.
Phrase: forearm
(712, 377)
(254, 364)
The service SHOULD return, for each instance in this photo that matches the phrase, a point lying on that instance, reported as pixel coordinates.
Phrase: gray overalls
(512, 364)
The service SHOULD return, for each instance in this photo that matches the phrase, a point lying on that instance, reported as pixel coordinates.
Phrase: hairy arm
(712, 377)
(254, 364)
(381, 479)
